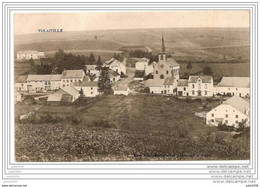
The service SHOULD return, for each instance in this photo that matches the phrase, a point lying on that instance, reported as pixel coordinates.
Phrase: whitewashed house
(230, 112)
(197, 86)
(92, 70)
(66, 94)
(116, 66)
(90, 88)
(43, 82)
(26, 55)
(71, 76)
(234, 86)
(20, 84)
(142, 64)
(150, 68)
(167, 86)
(201, 86)
(121, 90)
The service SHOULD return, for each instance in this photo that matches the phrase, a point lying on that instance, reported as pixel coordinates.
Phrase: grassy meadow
(136, 127)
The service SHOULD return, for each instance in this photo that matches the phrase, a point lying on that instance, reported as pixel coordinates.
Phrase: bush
(224, 127)
(73, 119)
(101, 123)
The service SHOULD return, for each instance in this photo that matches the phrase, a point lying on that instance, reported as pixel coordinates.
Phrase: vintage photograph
(132, 86)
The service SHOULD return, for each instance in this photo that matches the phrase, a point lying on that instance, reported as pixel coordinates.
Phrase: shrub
(73, 119)
(102, 123)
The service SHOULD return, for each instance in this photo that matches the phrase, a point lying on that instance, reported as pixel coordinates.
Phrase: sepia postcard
(130, 88)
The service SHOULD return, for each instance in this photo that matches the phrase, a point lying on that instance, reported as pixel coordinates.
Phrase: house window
(161, 57)
(236, 88)
(71, 80)
(212, 120)
(156, 72)
(91, 88)
(161, 76)
(184, 88)
(206, 93)
(67, 80)
(167, 72)
(236, 121)
(91, 93)
(22, 84)
(193, 92)
(226, 121)
(193, 86)
(236, 116)
(212, 115)
(226, 115)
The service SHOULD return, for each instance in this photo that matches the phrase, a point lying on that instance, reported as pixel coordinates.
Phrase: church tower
(163, 53)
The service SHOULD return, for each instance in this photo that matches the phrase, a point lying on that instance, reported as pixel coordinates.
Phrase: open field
(209, 44)
(219, 69)
(136, 127)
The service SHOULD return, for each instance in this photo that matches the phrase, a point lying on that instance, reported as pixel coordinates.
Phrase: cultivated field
(136, 127)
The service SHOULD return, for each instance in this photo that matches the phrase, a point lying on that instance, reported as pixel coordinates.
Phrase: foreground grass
(137, 127)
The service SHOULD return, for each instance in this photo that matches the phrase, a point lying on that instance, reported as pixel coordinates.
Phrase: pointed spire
(163, 46)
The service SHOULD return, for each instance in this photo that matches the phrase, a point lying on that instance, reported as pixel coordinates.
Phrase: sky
(28, 23)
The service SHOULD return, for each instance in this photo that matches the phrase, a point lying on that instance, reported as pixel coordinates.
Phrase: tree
(189, 66)
(104, 85)
(99, 63)
(207, 71)
(81, 93)
(91, 58)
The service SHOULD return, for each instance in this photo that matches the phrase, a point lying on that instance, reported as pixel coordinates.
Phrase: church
(165, 74)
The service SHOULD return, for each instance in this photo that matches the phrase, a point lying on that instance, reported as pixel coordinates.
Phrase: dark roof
(66, 98)
(139, 73)
(169, 81)
(183, 82)
(113, 73)
(204, 79)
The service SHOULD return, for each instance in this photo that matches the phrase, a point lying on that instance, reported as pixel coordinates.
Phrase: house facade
(196, 86)
(113, 76)
(43, 82)
(20, 84)
(234, 86)
(90, 88)
(231, 112)
(26, 55)
(71, 76)
(116, 66)
(92, 70)
(142, 64)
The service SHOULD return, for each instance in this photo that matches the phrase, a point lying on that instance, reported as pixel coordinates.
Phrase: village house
(121, 90)
(71, 76)
(116, 66)
(26, 55)
(113, 76)
(231, 112)
(197, 86)
(150, 68)
(89, 88)
(162, 86)
(20, 84)
(234, 86)
(165, 68)
(92, 70)
(66, 94)
(37, 83)
(183, 87)
(142, 64)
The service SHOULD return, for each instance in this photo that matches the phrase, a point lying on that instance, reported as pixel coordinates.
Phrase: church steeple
(163, 53)
(163, 45)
